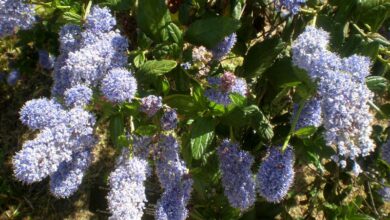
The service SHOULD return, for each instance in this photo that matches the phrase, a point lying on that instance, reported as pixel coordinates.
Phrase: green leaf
(373, 12)
(116, 129)
(157, 67)
(184, 104)
(202, 134)
(121, 5)
(305, 132)
(210, 31)
(377, 83)
(237, 99)
(153, 18)
(261, 56)
(175, 33)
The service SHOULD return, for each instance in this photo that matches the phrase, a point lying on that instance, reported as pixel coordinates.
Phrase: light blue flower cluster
(384, 192)
(169, 119)
(237, 179)
(276, 174)
(311, 114)
(151, 104)
(60, 150)
(343, 94)
(119, 86)
(223, 86)
(69, 175)
(79, 95)
(88, 55)
(173, 176)
(46, 60)
(289, 6)
(385, 151)
(224, 47)
(127, 198)
(15, 14)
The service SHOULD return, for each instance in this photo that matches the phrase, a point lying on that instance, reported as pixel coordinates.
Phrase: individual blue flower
(69, 176)
(79, 95)
(13, 77)
(15, 14)
(237, 178)
(151, 104)
(289, 6)
(100, 20)
(127, 198)
(41, 113)
(169, 119)
(224, 47)
(311, 114)
(276, 174)
(119, 85)
(385, 151)
(46, 60)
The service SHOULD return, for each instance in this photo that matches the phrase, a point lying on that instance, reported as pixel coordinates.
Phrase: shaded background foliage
(159, 34)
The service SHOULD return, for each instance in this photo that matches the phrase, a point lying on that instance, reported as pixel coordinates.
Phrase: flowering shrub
(204, 109)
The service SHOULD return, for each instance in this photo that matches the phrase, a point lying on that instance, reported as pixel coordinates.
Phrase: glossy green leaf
(202, 134)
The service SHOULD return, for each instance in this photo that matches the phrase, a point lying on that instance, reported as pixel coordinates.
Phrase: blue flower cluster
(13, 77)
(384, 192)
(119, 85)
(88, 55)
(311, 114)
(169, 119)
(173, 176)
(223, 86)
(276, 174)
(385, 151)
(79, 95)
(62, 148)
(224, 47)
(237, 178)
(15, 14)
(289, 6)
(127, 198)
(46, 60)
(343, 94)
(151, 104)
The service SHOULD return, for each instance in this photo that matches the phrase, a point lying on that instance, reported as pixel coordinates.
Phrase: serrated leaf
(210, 31)
(261, 56)
(152, 18)
(202, 134)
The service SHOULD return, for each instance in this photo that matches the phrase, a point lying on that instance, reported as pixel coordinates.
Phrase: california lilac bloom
(69, 176)
(142, 145)
(224, 47)
(173, 176)
(46, 60)
(358, 66)
(42, 156)
(100, 20)
(173, 202)
(41, 113)
(308, 46)
(385, 151)
(79, 95)
(13, 77)
(310, 115)
(201, 55)
(127, 198)
(291, 6)
(385, 193)
(151, 104)
(186, 65)
(276, 174)
(223, 86)
(237, 178)
(15, 14)
(169, 119)
(70, 38)
(119, 85)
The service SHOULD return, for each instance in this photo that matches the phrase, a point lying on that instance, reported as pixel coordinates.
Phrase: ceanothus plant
(205, 109)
